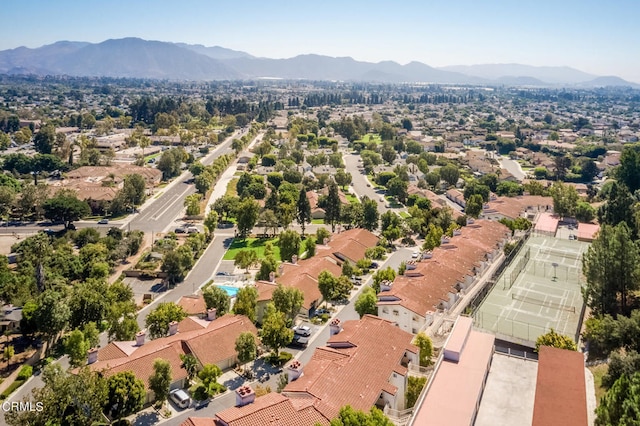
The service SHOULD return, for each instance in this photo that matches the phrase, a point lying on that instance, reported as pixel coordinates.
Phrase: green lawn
(598, 371)
(317, 221)
(255, 244)
(370, 137)
(352, 198)
(404, 215)
(149, 157)
(231, 187)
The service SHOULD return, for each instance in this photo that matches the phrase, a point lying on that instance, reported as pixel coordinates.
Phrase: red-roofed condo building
(211, 341)
(436, 281)
(365, 364)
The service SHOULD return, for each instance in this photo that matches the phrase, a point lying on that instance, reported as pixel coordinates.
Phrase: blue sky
(592, 35)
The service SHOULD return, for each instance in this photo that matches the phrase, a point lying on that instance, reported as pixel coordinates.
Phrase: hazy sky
(596, 36)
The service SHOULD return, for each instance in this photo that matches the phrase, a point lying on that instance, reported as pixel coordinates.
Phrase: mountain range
(137, 58)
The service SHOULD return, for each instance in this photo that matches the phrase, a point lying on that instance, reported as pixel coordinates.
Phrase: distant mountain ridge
(137, 58)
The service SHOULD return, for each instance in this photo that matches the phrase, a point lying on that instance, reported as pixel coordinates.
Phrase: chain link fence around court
(507, 330)
(545, 303)
(519, 266)
(555, 271)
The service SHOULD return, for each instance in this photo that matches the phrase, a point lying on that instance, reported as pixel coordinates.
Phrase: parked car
(180, 231)
(375, 265)
(299, 342)
(415, 255)
(302, 330)
(103, 222)
(71, 227)
(322, 311)
(192, 230)
(180, 397)
(223, 274)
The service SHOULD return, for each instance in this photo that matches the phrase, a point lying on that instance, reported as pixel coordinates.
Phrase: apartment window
(396, 313)
(385, 310)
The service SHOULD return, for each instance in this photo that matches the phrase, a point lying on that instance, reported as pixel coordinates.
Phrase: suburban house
(348, 245)
(456, 196)
(512, 207)
(425, 193)
(436, 280)
(193, 305)
(587, 231)
(100, 184)
(366, 363)
(10, 319)
(314, 198)
(210, 340)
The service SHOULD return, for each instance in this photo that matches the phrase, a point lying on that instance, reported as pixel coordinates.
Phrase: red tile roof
(212, 342)
(560, 389)
(193, 304)
(273, 409)
(355, 367)
(450, 263)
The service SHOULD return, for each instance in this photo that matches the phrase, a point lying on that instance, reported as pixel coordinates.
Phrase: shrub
(12, 387)
(25, 372)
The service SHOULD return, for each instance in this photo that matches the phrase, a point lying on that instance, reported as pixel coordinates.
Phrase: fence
(475, 303)
(526, 333)
(518, 268)
(545, 303)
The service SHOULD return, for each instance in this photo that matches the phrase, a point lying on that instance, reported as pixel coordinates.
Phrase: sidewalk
(12, 377)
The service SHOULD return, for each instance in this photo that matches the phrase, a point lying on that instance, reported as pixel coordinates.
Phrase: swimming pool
(229, 289)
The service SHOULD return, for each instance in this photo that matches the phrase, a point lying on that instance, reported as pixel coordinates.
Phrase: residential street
(319, 338)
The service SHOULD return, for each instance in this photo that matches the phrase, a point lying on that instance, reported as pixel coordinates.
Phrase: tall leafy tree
(125, 394)
(370, 215)
(246, 347)
(216, 297)
(157, 322)
(288, 300)
(247, 215)
(629, 170)
(160, 380)
(611, 267)
(619, 406)
(333, 207)
(245, 258)
(565, 199)
(246, 302)
(367, 302)
(52, 316)
(66, 399)
(450, 174)
(275, 332)
(76, 347)
(65, 207)
(44, 140)
(289, 244)
(426, 348)
(351, 417)
(303, 210)
(618, 206)
(474, 206)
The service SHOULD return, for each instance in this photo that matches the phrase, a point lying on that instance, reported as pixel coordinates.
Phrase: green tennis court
(539, 290)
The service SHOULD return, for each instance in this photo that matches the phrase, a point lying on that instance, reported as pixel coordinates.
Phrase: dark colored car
(299, 342)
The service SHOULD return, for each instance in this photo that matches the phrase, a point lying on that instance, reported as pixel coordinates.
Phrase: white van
(180, 397)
